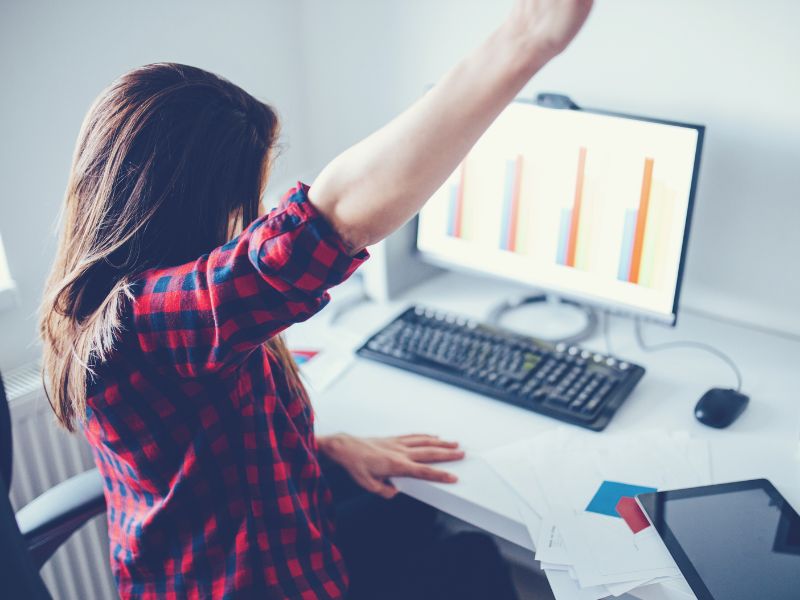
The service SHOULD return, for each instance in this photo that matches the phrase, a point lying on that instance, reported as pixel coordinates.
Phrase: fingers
(427, 473)
(377, 486)
(386, 490)
(432, 455)
(383, 489)
(419, 439)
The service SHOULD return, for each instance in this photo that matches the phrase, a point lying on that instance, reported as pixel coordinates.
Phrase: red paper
(629, 510)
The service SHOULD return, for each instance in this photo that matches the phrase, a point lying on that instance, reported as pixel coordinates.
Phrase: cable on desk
(496, 314)
(687, 344)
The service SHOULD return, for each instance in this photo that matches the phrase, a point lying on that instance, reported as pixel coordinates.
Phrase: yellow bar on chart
(525, 216)
(659, 224)
(648, 266)
(589, 214)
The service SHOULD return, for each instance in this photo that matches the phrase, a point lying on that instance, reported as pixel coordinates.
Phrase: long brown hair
(170, 163)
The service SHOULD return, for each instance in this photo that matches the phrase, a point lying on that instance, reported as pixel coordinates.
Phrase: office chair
(29, 538)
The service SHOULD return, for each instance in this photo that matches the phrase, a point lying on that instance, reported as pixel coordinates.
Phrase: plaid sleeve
(200, 317)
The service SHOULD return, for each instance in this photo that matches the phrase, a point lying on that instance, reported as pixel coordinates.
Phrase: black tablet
(733, 541)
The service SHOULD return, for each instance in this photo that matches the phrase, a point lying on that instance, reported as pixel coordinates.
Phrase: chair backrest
(6, 447)
(19, 577)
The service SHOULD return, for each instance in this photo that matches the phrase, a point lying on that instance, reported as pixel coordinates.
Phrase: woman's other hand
(371, 461)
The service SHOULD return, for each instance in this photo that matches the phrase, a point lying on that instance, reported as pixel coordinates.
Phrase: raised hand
(550, 24)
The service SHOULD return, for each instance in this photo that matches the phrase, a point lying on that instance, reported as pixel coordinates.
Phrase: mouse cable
(686, 344)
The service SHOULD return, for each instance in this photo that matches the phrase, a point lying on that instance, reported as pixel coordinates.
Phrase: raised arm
(377, 185)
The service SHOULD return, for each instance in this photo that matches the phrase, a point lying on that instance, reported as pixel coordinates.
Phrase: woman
(163, 314)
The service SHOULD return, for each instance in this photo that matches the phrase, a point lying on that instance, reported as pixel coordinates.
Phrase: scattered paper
(569, 485)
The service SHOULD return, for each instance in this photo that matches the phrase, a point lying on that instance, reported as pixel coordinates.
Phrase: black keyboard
(561, 381)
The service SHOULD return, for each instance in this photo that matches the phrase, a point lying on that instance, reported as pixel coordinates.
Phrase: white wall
(55, 57)
(731, 65)
(337, 70)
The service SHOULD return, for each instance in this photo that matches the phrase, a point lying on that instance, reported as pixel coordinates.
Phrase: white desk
(372, 399)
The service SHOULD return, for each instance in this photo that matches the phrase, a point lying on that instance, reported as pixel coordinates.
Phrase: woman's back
(184, 416)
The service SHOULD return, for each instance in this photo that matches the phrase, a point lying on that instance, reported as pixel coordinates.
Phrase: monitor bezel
(613, 307)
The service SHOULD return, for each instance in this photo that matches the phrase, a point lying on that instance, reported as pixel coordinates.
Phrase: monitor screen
(591, 206)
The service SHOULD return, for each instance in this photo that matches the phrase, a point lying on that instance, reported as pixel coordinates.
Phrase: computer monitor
(588, 205)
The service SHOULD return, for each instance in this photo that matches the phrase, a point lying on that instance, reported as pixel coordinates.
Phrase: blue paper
(610, 493)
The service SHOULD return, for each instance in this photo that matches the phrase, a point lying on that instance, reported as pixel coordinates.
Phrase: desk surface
(373, 400)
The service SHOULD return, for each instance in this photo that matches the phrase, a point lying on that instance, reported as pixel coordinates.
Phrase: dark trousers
(394, 550)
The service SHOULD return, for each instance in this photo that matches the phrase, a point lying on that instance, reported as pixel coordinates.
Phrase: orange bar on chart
(456, 212)
(513, 222)
(576, 209)
(641, 221)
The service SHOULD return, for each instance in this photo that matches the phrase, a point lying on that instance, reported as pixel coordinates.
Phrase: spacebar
(437, 363)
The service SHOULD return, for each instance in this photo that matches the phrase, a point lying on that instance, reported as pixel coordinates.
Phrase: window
(6, 283)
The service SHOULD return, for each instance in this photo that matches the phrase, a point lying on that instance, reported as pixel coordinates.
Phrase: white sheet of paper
(532, 521)
(555, 475)
(326, 367)
(512, 464)
(550, 548)
(623, 587)
(602, 548)
(566, 588)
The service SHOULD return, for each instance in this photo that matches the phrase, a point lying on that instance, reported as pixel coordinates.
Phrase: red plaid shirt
(210, 463)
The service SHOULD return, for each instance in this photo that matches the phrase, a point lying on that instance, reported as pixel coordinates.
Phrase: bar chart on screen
(469, 207)
(575, 201)
(646, 232)
(617, 225)
(576, 221)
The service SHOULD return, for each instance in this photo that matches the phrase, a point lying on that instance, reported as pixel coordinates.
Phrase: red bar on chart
(455, 216)
(641, 221)
(572, 244)
(510, 222)
(460, 212)
(514, 227)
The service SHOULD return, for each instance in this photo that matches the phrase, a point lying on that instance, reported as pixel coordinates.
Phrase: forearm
(377, 185)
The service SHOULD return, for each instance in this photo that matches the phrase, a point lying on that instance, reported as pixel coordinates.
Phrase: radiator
(45, 455)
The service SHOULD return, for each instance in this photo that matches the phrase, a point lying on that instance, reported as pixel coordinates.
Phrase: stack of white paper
(569, 485)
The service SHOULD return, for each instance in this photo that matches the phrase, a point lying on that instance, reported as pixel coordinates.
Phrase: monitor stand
(546, 317)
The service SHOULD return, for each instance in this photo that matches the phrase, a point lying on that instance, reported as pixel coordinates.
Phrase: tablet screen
(736, 541)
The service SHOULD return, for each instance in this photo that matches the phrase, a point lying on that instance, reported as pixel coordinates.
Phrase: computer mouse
(720, 407)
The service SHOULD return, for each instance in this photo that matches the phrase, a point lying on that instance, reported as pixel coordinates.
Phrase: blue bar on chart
(563, 235)
(452, 213)
(626, 252)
